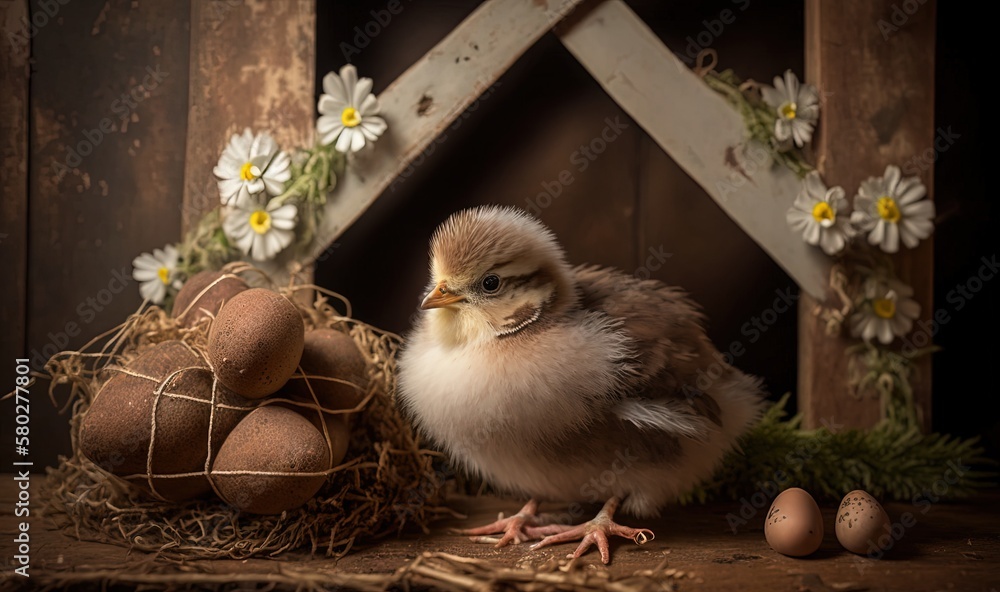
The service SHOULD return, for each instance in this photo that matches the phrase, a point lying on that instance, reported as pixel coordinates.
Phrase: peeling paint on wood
(253, 65)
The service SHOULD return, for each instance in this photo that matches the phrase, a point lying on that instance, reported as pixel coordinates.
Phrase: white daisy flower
(820, 214)
(155, 272)
(251, 164)
(889, 208)
(260, 231)
(349, 111)
(797, 106)
(887, 311)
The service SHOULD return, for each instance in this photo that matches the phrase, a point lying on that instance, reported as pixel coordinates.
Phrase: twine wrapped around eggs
(386, 482)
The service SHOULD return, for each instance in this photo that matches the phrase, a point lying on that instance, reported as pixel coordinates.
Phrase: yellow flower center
(824, 214)
(260, 221)
(350, 117)
(888, 209)
(164, 274)
(788, 110)
(884, 307)
(246, 172)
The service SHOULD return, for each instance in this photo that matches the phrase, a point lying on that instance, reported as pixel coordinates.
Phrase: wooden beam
(696, 127)
(879, 84)
(108, 107)
(252, 65)
(426, 99)
(14, 75)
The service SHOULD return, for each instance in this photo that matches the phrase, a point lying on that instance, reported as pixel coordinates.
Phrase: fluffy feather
(566, 384)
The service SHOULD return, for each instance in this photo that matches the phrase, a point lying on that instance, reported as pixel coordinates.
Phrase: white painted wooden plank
(424, 101)
(697, 128)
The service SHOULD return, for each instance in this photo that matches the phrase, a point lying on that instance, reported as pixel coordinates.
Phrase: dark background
(547, 104)
(518, 138)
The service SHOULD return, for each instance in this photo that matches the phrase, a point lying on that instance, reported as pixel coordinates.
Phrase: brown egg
(191, 304)
(794, 524)
(117, 429)
(332, 354)
(861, 523)
(256, 342)
(338, 425)
(271, 439)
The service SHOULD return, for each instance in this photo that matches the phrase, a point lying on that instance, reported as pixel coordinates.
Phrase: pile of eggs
(794, 523)
(262, 427)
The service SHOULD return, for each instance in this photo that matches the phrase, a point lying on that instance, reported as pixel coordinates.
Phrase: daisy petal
(779, 86)
(771, 96)
(884, 331)
(832, 242)
(890, 243)
(374, 124)
(357, 142)
(362, 91)
(148, 290)
(369, 106)
(350, 76)
(812, 234)
(791, 85)
(329, 124)
(333, 85)
(919, 228)
(877, 233)
(330, 106)
(344, 140)
(892, 175)
(921, 209)
(145, 275)
(869, 330)
(782, 129)
(814, 185)
(911, 192)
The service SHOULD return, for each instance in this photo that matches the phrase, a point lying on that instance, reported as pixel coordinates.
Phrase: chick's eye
(491, 283)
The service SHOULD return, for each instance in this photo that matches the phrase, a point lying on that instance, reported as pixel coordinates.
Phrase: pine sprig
(891, 461)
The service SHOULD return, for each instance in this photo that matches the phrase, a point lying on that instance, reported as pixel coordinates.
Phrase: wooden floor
(951, 547)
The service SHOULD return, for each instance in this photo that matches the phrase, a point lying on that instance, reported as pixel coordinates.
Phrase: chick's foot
(595, 532)
(516, 529)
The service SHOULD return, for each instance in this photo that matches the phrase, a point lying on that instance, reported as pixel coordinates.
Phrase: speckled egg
(204, 294)
(337, 425)
(256, 342)
(341, 371)
(794, 524)
(861, 521)
(272, 461)
(117, 430)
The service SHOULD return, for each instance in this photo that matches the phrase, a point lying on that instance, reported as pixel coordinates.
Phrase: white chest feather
(473, 398)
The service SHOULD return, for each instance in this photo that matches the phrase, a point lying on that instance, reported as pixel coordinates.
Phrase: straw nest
(386, 483)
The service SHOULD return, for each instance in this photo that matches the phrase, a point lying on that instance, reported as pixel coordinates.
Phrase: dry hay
(386, 483)
(428, 571)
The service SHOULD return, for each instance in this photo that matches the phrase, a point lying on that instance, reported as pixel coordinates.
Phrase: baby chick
(546, 379)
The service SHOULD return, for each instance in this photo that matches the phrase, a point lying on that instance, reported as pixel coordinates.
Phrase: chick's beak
(439, 296)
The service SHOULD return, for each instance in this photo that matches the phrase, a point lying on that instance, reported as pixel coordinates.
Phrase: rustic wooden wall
(252, 65)
(14, 77)
(879, 110)
(113, 114)
(132, 190)
(108, 106)
(511, 148)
